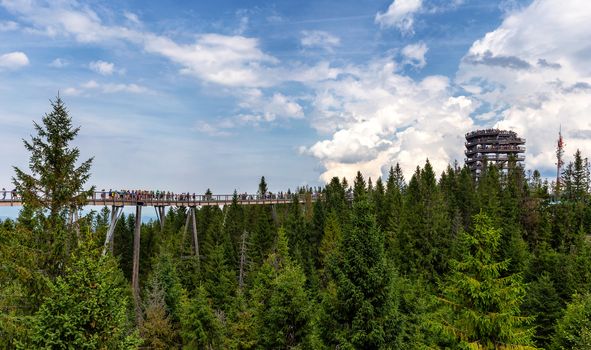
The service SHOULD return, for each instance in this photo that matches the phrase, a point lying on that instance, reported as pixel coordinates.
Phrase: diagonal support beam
(116, 212)
(191, 219)
(161, 215)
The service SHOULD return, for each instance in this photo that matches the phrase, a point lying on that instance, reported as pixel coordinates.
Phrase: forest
(430, 262)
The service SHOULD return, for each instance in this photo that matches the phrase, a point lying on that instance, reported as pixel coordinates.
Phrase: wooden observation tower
(493, 146)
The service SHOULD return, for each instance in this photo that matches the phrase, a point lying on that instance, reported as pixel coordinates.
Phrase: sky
(190, 95)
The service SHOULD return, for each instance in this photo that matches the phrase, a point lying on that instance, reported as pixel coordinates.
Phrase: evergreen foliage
(54, 174)
(87, 308)
(376, 265)
(358, 307)
(573, 330)
(480, 305)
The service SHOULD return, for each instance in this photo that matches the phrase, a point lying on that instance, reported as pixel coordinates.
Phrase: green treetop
(56, 182)
(481, 306)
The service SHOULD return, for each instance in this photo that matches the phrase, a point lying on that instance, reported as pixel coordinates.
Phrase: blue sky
(186, 96)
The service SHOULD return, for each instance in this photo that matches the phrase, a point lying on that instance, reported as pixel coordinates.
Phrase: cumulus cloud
(376, 117)
(414, 54)
(102, 67)
(534, 74)
(319, 39)
(234, 61)
(400, 14)
(276, 106)
(13, 60)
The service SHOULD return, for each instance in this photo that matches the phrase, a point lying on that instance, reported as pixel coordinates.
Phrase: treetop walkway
(167, 199)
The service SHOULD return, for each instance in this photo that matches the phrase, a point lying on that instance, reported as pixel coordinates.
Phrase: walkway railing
(123, 198)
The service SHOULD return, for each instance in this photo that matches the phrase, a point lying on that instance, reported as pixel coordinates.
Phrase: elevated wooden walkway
(8, 199)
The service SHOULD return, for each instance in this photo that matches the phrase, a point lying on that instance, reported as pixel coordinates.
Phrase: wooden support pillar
(242, 259)
(195, 238)
(135, 283)
(274, 214)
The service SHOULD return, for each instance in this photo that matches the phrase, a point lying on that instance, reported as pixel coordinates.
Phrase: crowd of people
(10, 194)
(133, 195)
(139, 195)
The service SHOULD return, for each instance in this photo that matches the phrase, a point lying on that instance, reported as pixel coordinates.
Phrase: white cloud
(7, 26)
(534, 72)
(414, 55)
(13, 60)
(269, 108)
(376, 117)
(221, 128)
(106, 88)
(58, 63)
(235, 61)
(319, 39)
(132, 17)
(102, 67)
(400, 14)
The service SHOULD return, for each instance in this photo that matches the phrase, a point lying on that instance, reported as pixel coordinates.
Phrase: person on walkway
(3, 193)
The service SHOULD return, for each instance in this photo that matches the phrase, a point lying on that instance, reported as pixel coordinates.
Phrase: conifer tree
(480, 305)
(86, 308)
(359, 188)
(378, 198)
(393, 209)
(263, 189)
(283, 311)
(56, 182)
(219, 279)
(575, 178)
(331, 240)
(200, 328)
(573, 330)
(425, 237)
(544, 304)
(489, 192)
(358, 309)
(234, 226)
(336, 199)
(157, 329)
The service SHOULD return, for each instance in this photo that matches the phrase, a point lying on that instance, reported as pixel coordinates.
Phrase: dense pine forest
(426, 262)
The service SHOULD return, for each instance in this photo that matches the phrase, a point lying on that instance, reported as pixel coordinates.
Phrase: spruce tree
(87, 308)
(200, 328)
(283, 311)
(359, 188)
(573, 330)
(358, 309)
(392, 210)
(263, 189)
(480, 306)
(56, 183)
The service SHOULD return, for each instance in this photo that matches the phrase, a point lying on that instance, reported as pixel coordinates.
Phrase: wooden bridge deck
(100, 199)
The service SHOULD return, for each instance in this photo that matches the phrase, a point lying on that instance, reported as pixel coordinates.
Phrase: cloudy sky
(186, 95)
